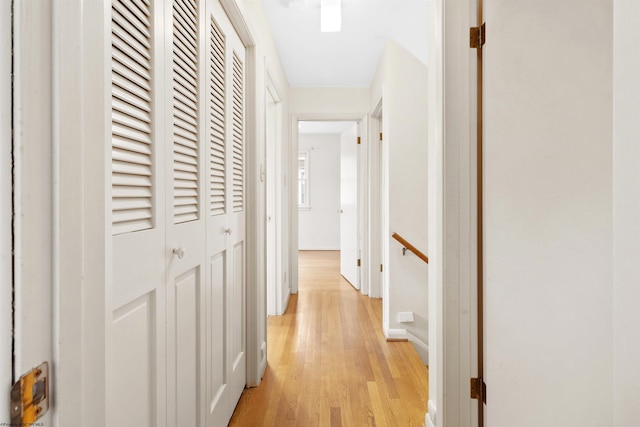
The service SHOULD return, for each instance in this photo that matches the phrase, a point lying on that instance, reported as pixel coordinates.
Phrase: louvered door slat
(189, 8)
(217, 145)
(238, 134)
(133, 158)
(185, 41)
(132, 166)
(131, 145)
(134, 14)
(186, 200)
(131, 104)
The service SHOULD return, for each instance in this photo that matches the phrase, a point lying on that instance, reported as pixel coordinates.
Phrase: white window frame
(307, 162)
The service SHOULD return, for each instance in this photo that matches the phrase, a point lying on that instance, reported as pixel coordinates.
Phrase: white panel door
(176, 338)
(349, 205)
(185, 207)
(225, 239)
(136, 365)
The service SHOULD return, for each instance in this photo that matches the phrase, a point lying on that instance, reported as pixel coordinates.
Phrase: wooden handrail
(409, 246)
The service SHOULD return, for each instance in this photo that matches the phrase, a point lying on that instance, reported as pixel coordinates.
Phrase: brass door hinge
(30, 396)
(380, 268)
(358, 262)
(380, 136)
(359, 141)
(477, 36)
(478, 389)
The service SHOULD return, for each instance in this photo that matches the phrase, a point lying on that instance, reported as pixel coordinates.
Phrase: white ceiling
(305, 127)
(350, 57)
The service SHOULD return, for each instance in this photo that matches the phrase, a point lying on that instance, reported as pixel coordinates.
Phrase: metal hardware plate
(478, 389)
(477, 36)
(30, 396)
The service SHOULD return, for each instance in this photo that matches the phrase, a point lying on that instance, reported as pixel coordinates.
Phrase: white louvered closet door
(136, 297)
(185, 211)
(176, 333)
(226, 359)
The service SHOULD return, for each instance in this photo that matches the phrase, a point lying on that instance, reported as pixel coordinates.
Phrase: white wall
(267, 64)
(329, 101)
(548, 213)
(626, 218)
(319, 226)
(401, 80)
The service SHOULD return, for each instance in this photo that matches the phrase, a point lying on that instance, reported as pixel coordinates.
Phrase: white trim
(421, 347)
(431, 416)
(285, 304)
(435, 214)
(293, 222)
(236, 13)
(81, 48)
(375, 247)
(33, 197)
(402, 334)
(432, 413)
(394, 334)
(363, 205)
(452, 143)
(69, 200)
(255, 227)
(263, 356)
(6, 208)
(281, 296)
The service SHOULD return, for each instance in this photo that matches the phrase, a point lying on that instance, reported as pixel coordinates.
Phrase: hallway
(329, 363)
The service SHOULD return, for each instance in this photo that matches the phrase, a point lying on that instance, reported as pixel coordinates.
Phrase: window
(303, 180)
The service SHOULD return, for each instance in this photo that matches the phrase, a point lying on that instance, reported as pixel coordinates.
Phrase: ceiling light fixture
(330, 16)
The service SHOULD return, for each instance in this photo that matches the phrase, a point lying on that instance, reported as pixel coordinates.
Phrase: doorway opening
(328, 192)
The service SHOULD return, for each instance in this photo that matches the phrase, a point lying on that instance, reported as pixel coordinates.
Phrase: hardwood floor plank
(329, 363)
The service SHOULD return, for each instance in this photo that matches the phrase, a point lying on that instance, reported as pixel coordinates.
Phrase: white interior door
(137, 325)
(185, 208)
(226, 358)
(349, 205)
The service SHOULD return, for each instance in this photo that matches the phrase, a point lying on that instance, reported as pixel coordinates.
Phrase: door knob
(179, 251)
(340, 211)
(227, 230)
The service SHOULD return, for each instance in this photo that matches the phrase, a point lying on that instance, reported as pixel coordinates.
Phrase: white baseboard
(430, 418)
(395, 334)
(285, 304)
(263, 360)
(421, 347)
(402, 334)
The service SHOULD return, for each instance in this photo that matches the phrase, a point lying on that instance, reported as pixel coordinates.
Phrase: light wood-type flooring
(329, 363)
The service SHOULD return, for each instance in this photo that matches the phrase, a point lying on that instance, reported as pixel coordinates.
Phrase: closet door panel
(136, 349)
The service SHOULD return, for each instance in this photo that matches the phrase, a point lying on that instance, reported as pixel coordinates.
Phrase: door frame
(273, 92)
(363, 218)
(452, 213)
(379, 250)
(255, 227)
(6, 208)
